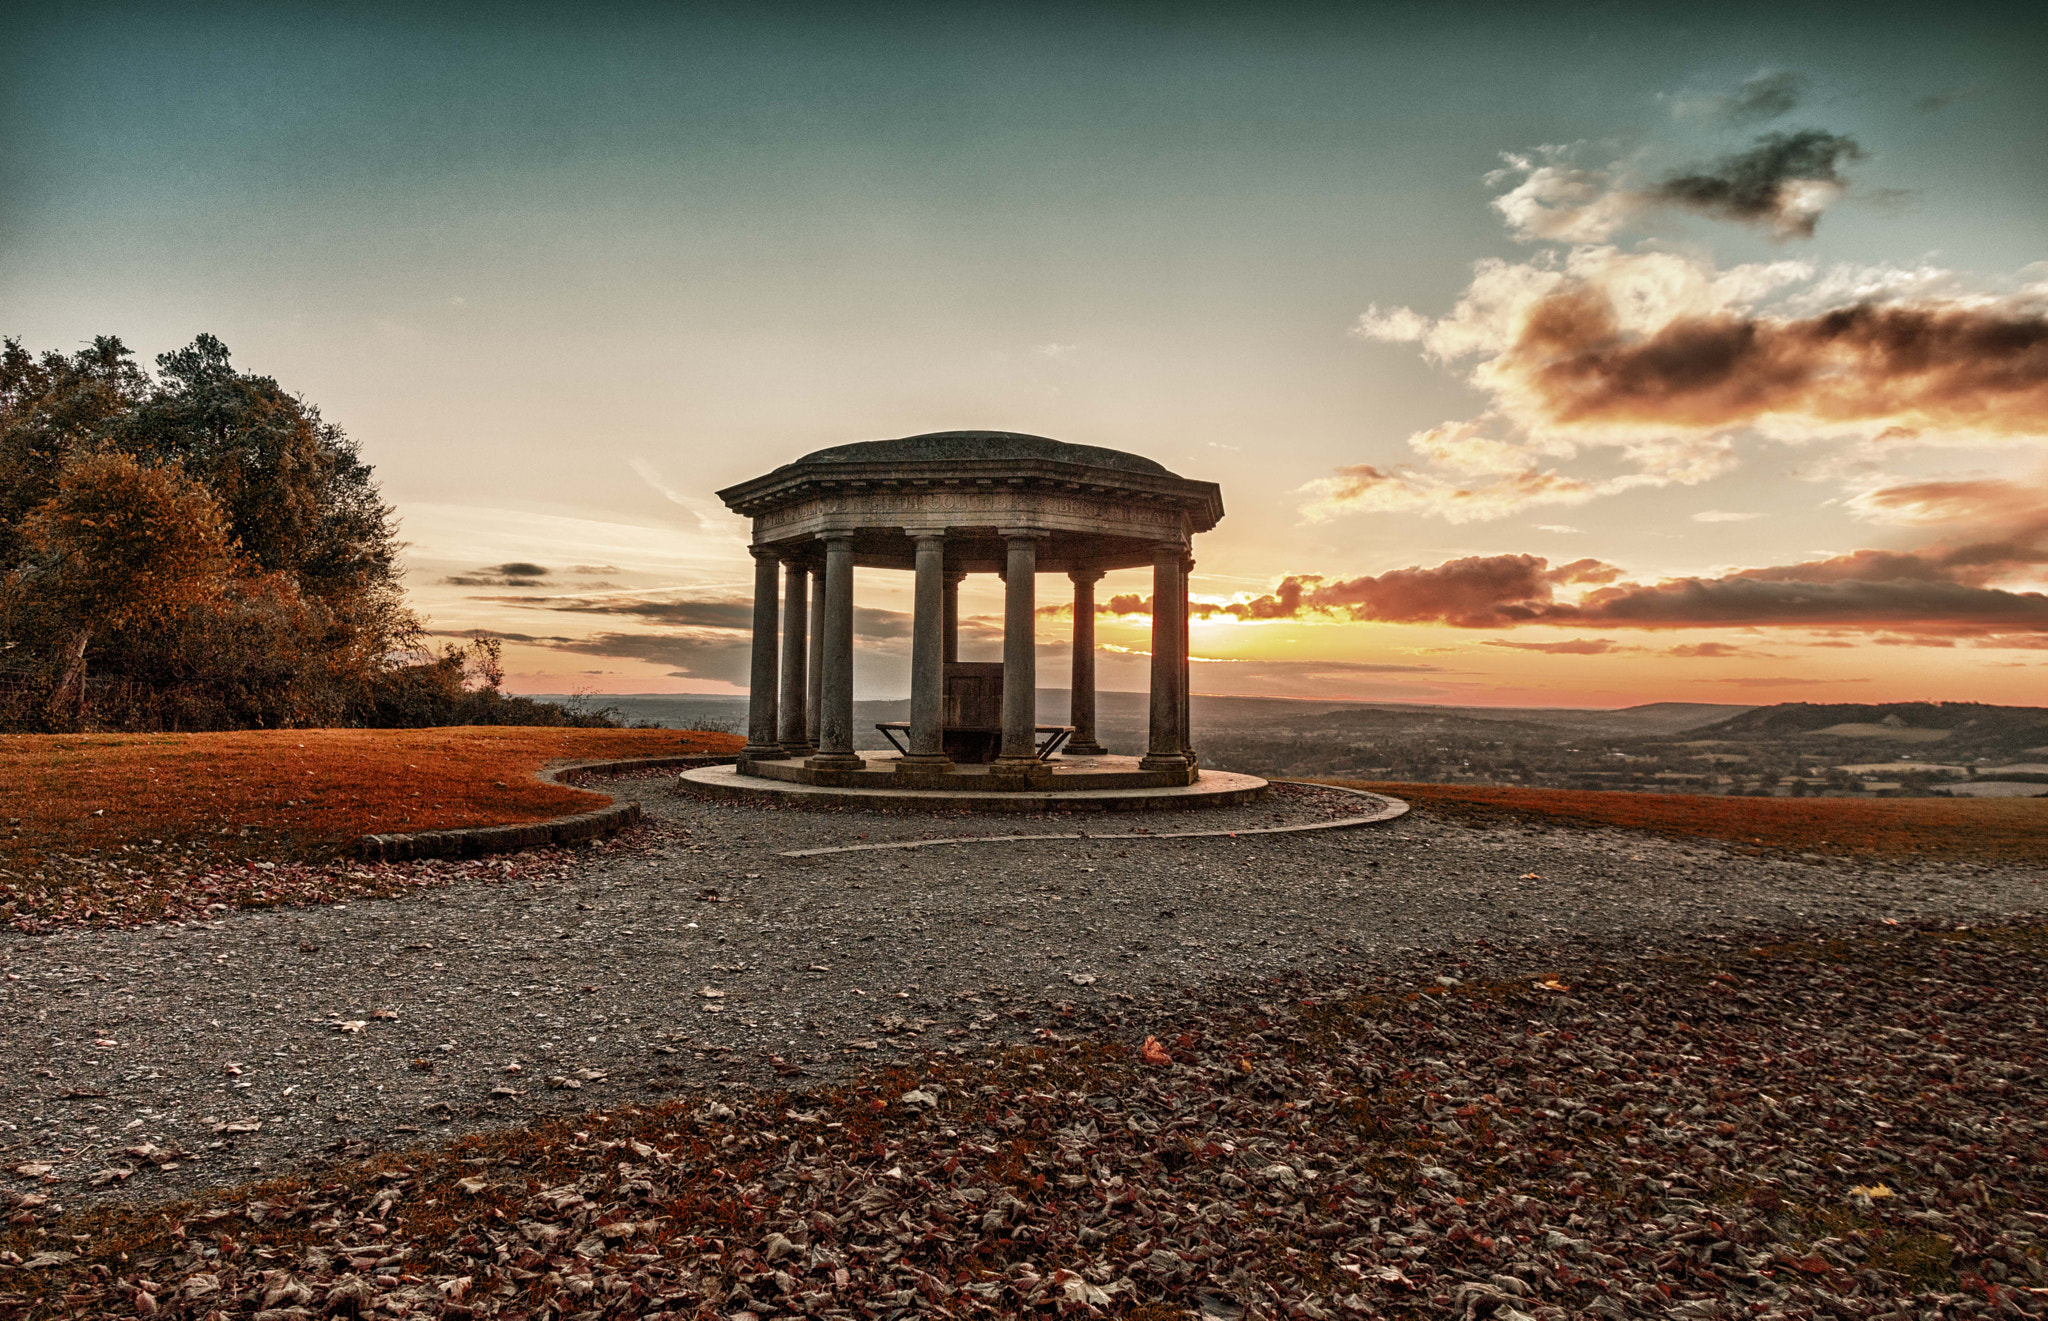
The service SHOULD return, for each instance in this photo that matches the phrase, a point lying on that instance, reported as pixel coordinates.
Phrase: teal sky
(564, 271)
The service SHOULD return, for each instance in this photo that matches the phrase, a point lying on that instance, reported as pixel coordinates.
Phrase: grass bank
(99, 811)
(1952, 829)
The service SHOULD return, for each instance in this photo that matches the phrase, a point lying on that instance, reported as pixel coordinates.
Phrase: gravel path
(149, 1062)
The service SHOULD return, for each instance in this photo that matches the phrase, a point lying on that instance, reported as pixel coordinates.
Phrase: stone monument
(943, 506)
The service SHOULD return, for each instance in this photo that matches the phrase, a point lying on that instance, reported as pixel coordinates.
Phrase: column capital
(769, 553)
(1023, 534)
(921, 534)
(1081, 576)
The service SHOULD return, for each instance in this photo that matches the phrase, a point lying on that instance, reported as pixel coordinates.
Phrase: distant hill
(1961, 728)
(1787, 718)
(1647, 720)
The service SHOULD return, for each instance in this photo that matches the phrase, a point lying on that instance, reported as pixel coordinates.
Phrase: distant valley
(1787, 750)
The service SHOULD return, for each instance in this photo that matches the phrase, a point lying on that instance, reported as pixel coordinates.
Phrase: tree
(51, 408)
(299, 497)
(119, 543)
(313, 614)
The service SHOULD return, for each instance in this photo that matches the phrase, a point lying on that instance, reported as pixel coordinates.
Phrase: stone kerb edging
(476, 841)
(1388, 809)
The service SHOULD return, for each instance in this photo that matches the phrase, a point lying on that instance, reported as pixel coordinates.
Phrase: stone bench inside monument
(971, 719)
(943, 506)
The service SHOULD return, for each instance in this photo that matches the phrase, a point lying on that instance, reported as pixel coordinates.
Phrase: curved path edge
(1389, 808)
(476, 841)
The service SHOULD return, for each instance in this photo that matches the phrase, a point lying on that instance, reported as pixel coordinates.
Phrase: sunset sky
(1546, 354)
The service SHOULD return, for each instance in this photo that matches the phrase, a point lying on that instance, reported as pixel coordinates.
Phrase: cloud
(1934, 367)
(1396, 325)
(1938, 591)
(719, 655)
(517, 573)
(694, 614)
(1806, 596)
(535, 639)
(710, 517)
(1404, 489)
(1353, 680)
(1655, 358)
(1560, 528)
(1977, 502)
(1782, 681)
(1763, 96)
(1782, 183)
(1367, 488)
(1722, 516)
(1575, 647)
(1704, 650)
(1468, 592)
(1556, 201)
(735, 615)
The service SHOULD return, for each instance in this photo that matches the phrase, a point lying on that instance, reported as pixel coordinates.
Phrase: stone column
(835, 722)
(761, 744)
(1187, 689)
(1166, 746)
(951, 649)
(814, 672)
(927, 660)
(792, 729)
(1019, 753)
(1083, 743)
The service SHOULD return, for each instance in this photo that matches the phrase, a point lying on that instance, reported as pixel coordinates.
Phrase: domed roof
(943, 446)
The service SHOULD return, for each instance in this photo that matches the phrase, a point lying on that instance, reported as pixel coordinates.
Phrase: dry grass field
(291, 795)
(1972, 829)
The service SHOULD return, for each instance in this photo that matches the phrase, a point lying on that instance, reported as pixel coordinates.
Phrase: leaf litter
(1839, 1127)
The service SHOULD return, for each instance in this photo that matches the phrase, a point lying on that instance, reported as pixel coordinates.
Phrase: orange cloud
(1952, 366)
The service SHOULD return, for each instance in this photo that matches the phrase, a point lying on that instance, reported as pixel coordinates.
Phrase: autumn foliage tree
(202, 550)
(214, 547)
(119, 543)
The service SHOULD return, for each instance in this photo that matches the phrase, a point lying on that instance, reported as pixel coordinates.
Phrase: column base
(834, 761)
(761, 752)
(935, 763)
(1075, 748)
(1166, 761)
(1026, 769)
(798, 751)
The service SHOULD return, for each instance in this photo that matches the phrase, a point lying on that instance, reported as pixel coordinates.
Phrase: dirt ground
(695, 954)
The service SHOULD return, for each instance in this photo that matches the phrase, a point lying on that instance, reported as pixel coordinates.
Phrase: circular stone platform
(1076, 784)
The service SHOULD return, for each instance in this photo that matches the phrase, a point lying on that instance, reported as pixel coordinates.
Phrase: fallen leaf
(1153, 1053)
